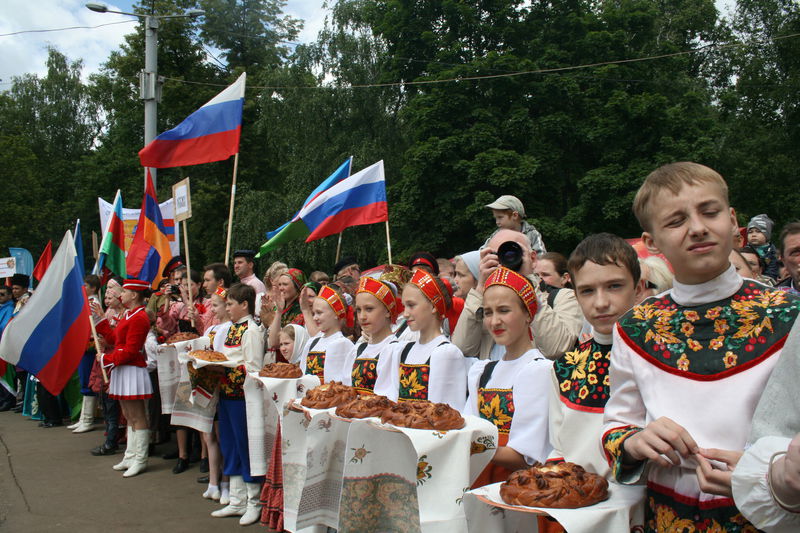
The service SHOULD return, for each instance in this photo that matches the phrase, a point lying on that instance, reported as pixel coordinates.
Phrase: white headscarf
(300, 339)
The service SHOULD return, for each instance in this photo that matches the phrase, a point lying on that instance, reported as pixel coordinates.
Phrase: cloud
(312, 13)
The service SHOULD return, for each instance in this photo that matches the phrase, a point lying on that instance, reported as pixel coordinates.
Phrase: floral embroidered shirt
(380, 351)
(447, 381)
(335, 348)
(579, 390)
(700, 355)
(528, 379)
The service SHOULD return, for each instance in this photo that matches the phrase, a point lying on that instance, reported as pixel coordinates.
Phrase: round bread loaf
(182, 336)
(560, 486)
(328, 395)
(423, 415)
(281, 370)
(208, 355)
(365, 406)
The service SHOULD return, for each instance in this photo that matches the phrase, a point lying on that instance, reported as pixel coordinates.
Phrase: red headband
(222, 292)
(342, 310)
(423, 261)
(427, 284)
(381, 291)
(135, 285)
(518, 283)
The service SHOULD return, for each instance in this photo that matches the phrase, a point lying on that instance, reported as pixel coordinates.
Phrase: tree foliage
(489, 103)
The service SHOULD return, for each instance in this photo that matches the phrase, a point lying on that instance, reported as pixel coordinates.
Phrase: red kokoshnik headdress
(339, 306)
(518, 283)
(381, 291)
(427, 284)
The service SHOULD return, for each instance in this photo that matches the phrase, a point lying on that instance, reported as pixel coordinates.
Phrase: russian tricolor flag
(48, 336)
(209, 134)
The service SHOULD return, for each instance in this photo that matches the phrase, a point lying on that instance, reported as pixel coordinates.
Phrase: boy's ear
(639, 290)
(649, 243)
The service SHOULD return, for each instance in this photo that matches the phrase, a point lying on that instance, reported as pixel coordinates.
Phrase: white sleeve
(253, 348)
(473, 377)
(752, 494)
(528, 434)
(555, 418)
(387, 371)
(349, 360)
(448, 378)
(335, 355)
(625, 408)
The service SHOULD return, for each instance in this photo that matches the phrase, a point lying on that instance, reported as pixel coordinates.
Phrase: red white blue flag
(209, 134)
(48, 336)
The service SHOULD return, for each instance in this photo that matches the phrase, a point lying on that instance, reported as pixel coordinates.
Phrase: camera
(510, 255)
(175, 289)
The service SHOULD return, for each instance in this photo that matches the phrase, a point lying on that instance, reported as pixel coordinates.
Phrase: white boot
(87, 415)
(253, 512)
(238, 499)
(142, 442)
(130, 453)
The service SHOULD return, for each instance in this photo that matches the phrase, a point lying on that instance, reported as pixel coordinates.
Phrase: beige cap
(508, 202)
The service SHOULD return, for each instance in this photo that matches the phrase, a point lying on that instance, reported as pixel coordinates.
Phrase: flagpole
(230, 214)
(338, 248)
(188, 268)
(96, 341)
(388, 241)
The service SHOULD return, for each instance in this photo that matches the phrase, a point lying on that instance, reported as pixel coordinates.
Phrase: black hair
(92, 281)
(221, 273)
(747, 249)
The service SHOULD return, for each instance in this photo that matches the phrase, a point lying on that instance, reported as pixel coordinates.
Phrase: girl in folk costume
(216, 336)
(376, 309)
(287, 303)
(114, 311)
(512, 392)
(130, 382)
(244, 344)
(180, 316)
(327, 351)
(431, 368)
(293, 340)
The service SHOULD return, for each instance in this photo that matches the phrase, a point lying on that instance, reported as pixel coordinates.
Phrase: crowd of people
(677, 370)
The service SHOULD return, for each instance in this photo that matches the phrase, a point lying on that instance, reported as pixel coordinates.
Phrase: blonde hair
(658, 273)
(288, 330)
(673, 177)
(275, 270)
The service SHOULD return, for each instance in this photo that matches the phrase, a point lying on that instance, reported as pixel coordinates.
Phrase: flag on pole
(149, 252)
(48, 336)
(209, 134)
(112, 247)
(79, 247)
(338, 175)
(355, 201)
(43, 262)
(7, 372)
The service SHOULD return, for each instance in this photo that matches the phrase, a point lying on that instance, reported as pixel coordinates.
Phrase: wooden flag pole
(388, 242)
(97, 344)
(230, 214)
(188, 269)
(338, 249)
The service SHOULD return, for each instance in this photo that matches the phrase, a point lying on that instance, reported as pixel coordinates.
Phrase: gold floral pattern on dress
(497, 406)
(231, 385)
(690, 341)
(235, 333)
(583, 376)
(315, 365)
(665, 514)
(414, 382)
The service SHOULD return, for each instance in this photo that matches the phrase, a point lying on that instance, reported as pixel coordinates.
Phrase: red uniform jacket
(128, 338)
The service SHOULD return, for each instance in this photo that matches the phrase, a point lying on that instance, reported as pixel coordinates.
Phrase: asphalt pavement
(50, 482)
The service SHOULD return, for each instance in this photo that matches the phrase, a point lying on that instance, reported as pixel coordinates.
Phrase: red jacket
(128, 338)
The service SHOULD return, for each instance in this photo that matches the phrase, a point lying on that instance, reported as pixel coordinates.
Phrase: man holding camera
(555, 329)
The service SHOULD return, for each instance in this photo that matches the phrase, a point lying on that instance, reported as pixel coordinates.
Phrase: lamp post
(149, 84)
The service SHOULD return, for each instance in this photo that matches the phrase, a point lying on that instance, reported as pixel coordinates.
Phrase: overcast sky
(27, 52)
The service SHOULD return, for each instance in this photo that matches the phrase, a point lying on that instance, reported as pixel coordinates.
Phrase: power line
(67, 28)
(496, 76)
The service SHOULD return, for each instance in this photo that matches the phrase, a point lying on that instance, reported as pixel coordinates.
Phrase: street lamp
(149, 85)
